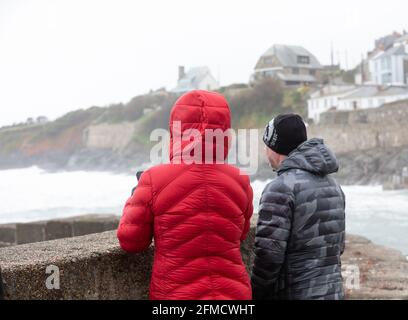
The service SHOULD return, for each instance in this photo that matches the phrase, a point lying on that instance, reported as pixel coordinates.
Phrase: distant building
(387, 41)
(390, 67)
(347, 98)
(42, 119)
(198, 78)
(387, 64)
(325, 99)
(293, 65)
(366, 97)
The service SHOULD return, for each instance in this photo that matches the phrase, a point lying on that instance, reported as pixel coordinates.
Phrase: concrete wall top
(94, 267)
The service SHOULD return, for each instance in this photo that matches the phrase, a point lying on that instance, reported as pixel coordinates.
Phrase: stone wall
(22, 233)
(94, 267)
(109, 136)
(90, 267)
(350, 131)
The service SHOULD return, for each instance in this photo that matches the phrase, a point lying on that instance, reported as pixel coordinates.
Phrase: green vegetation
(134, 109)
(254, 107)
(251, 107)
(70, 120)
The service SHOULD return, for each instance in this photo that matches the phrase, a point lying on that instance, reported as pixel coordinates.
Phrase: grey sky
(60, 55)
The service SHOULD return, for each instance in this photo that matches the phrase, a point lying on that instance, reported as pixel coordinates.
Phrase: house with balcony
(293, 65)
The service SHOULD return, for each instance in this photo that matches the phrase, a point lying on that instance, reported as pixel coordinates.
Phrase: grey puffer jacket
(301, 229)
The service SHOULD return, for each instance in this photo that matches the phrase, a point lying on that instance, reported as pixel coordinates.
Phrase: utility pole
(346, 57)
(339, 58)
(332, 63)
(332, 54)
(219, 75)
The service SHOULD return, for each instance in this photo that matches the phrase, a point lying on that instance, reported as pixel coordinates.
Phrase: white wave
(33, 194)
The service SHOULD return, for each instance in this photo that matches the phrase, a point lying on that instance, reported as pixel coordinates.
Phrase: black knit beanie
(285, 133)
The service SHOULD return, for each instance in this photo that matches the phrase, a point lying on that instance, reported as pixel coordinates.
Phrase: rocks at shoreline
(368, 167)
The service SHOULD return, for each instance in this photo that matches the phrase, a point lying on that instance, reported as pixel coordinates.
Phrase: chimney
(181, 72)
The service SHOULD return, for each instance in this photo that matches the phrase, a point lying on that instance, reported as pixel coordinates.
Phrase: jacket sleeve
(272, 234)
(248, 212)
(135, 230)
(343, 239)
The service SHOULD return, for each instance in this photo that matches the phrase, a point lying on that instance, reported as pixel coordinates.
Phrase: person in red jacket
(198, 213)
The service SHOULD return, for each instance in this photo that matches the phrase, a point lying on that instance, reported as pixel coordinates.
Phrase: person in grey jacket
(301, 226)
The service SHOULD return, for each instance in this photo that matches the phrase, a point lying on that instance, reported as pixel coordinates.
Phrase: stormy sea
(32, 194)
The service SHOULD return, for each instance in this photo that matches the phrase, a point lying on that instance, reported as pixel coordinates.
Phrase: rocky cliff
(91, 139)
(372, 145)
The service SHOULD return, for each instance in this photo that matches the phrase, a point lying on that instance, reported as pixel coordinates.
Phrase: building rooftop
(332, 90)
(353, 91)
(387, 41)
(191, 79)
(393, 51)
(377, 91)
(403, 39)
(288, 56)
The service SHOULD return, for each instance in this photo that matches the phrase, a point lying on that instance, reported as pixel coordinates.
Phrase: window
(386, 78)
(303, 59)
(295, 70)
(312, 72)
(386, 63)
(383, 63)
(267, 60)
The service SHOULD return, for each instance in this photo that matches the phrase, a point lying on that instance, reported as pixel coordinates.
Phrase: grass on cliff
(251, 107)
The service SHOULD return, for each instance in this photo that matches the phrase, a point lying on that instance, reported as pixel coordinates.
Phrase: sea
(33, 194)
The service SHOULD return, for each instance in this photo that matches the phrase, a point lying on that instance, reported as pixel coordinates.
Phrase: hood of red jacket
(192, 117)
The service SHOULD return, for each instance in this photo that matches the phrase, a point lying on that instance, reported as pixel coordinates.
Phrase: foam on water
(32, 194)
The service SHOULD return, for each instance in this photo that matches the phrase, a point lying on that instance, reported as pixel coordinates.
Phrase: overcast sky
(61, 55)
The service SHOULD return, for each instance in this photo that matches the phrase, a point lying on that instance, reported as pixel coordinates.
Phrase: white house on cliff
(352, 97)
(197, 78)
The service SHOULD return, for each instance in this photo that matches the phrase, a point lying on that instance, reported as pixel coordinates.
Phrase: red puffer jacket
(197, 213)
